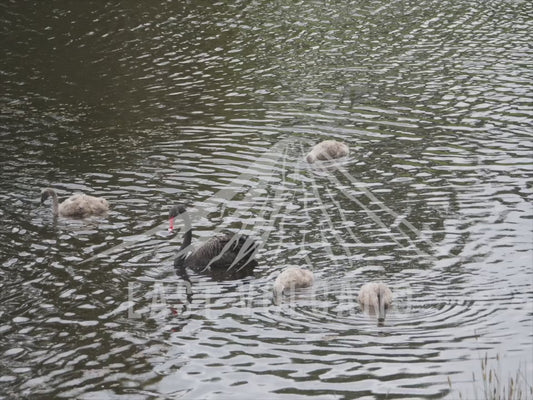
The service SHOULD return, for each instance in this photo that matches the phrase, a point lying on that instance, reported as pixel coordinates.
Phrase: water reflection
(185, 101)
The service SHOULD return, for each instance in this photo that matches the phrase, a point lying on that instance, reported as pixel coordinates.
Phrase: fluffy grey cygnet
(375, 298)
(76, 206)
(292, 278)
(327, 150)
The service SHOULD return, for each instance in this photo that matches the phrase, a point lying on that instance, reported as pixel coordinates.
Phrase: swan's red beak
(171, 224)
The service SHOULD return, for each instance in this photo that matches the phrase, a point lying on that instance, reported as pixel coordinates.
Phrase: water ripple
(150, 105)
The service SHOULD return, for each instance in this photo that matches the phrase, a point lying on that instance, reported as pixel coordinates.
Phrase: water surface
(215, 105)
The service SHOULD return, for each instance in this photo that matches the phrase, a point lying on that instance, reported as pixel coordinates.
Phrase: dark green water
(215, 104)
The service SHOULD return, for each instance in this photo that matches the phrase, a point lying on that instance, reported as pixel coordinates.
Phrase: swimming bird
(327, 150)
(230, 253)
(292, 278)
(375, 298)
(76, 206)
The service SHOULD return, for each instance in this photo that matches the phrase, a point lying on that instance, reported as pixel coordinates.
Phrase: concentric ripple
(215, 106)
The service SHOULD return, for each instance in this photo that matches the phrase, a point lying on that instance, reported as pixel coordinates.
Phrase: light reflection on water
(149, 106)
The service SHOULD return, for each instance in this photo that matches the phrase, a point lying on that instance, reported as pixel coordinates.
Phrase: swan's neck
(279, 287)
(187, 239)
(182, 252)
(55, 202)
(381, 307)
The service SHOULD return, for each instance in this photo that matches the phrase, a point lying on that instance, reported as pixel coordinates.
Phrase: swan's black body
(227, 255)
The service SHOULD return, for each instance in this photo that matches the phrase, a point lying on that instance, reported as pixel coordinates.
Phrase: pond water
(214, 104)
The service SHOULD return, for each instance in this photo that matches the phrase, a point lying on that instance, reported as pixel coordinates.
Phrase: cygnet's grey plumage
(375, 298)
(292, 278)
(327, 150)
(77, 205)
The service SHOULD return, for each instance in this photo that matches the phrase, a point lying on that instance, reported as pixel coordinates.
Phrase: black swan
(227, 255)
(76, 206)
(327, 150)
(375, 298)
(292, 278)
